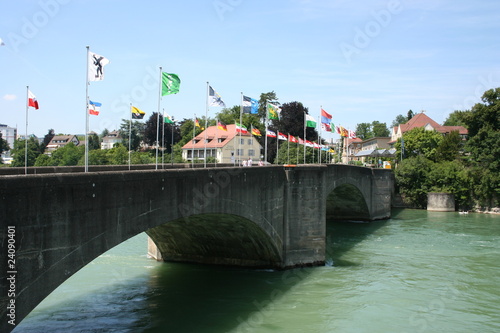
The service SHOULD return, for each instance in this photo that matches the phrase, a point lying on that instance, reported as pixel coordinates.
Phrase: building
(9, 134)
(226, 146)
(59, 141)
(109, 140)
(422, 120)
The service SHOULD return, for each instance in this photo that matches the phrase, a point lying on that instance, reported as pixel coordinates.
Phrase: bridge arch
(222, 239)
(346, 202)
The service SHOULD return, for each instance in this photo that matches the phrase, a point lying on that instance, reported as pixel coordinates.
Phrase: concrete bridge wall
(259, 216)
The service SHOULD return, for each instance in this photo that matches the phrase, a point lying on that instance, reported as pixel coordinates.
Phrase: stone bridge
(52, 225)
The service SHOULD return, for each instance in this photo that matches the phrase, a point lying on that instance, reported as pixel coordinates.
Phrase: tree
(18, 152)
(419, 141)
(136, 134)
(68, 155)
(449, 147)
(409, 115)
(292, 121)
(364, 131)
(456, 118)
(411, 177)
(94, 142)
(4, 146)
(47, 138)
(164, 132)
(379, 129)
(400, 119)
(104, 133)
(483, 123)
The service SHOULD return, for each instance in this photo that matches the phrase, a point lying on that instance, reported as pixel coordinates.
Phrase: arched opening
(346, 202)
(219, 239)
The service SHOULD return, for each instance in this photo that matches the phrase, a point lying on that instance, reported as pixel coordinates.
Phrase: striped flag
(94, 108)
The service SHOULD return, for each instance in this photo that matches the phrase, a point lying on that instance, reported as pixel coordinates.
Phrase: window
(249, 142)
(242, 141)
(239, 152)
(251, 152)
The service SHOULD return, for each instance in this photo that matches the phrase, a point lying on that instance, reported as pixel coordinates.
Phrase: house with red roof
(226, 146)
(422, 120)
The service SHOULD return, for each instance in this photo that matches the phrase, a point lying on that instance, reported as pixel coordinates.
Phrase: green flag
(169, 83)
(273, 111)
(168, 119)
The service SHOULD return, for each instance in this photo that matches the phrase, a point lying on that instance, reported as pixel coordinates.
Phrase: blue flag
(250, 105)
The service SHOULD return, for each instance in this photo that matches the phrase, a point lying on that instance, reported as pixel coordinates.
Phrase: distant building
(225, 146)
(109, 140)
(59, 141)
(9, 134)
(422, 120)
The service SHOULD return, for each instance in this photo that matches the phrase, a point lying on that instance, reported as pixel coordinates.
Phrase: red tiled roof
(212, 133)
(421, 120)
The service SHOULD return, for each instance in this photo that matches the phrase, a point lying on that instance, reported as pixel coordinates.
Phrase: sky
(360, 61)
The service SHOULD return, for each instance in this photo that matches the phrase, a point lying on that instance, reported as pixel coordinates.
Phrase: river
(417, 272)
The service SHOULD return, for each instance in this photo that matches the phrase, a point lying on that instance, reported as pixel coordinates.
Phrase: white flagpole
(158, 120)
(265, 139)
(241, 124)
(277, 145)
(192, 151)
(288, 148)
(26, 137)
(129, 135)
(305, 135)
(319, 140)
(163, 139)
(206, 127)
(87, 83)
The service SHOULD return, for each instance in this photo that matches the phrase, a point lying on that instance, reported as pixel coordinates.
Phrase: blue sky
(360, 60)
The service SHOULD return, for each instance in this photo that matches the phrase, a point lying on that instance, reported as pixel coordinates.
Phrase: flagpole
(277, 145)
(205, 130)
(26, 138)
(216, 138)
(319, 140)
(265, 139)
(129, 135)
(194, 131)
(163, 140)
(87, 83)
(158, 120)
(241, 123)
(305, 137)
(172, 143)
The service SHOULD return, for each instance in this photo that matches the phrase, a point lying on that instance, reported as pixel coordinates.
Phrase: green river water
(417, 272)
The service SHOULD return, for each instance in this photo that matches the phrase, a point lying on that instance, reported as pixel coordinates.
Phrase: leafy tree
(18, 152)
(364, 131)
(68, 155)
(47, 138)
(400, 119)
(118, 155)
(456, 118)
(409, 115)
(411, 177)
(450, 177)
(292, 121)
(164, 134)
(4, 146)
(136, 133)
(98, 157)
(483, 123)
(419, 141)
(449, 147)
(379, 129)
(94, 142)
(104, 133)
(43, 160)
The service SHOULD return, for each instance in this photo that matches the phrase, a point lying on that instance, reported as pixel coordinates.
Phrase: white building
(9, 134)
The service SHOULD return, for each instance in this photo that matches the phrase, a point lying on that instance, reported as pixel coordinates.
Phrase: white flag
(1, 42)
(214, 98)
(96, 67)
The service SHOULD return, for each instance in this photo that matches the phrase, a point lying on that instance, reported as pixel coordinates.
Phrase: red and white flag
(32, 100)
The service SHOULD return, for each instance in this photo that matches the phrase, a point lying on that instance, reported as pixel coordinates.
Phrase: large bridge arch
(221, 239)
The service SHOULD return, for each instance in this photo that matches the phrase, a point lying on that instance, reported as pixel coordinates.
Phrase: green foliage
(136, 131)
(449, 147)
(419, 141)
(450, 177)
(379, 129)
(269, 97)
(411, 177)
(68, 155)
(18, 152)
(400, 119)
(4, 146)
(94, 142)
(364, 131)
(456, 118)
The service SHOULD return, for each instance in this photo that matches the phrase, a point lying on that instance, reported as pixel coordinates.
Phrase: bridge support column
(304, 217)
